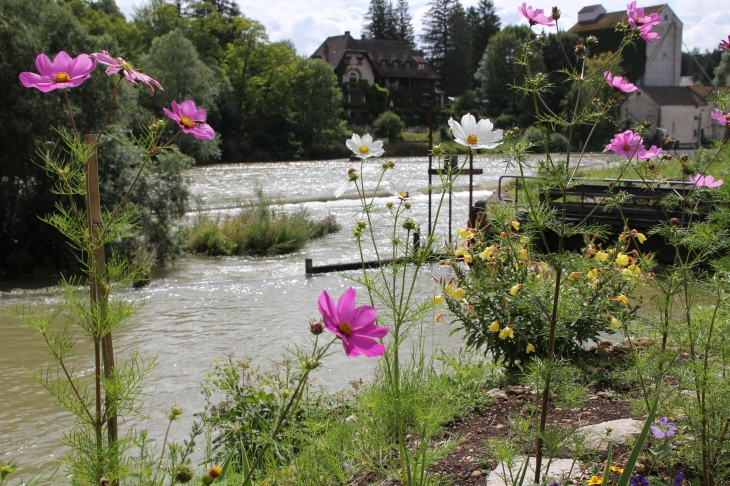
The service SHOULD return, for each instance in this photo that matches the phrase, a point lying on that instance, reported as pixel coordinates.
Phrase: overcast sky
(309, 22)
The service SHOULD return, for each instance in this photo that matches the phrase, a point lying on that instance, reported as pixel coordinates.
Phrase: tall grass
(257, 230)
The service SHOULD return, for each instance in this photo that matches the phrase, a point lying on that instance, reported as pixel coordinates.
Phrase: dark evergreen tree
(403, 23)
(380, 21)
(484, 23)
(436, 39)
(459, 65)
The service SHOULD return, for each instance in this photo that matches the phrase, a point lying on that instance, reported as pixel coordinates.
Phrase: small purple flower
(665, 429)
(62, 72)
(535, 16)
(619, 83)
(639, 480)
(190, 119)
(722, 118)
(627, 143)
(119, 64)
(679, 479)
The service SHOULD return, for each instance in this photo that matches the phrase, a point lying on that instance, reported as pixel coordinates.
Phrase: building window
(347, 60)
(396, 63)
(353, 78)
(359, 61)
(384, 62)
(408, 64)
(421, 66)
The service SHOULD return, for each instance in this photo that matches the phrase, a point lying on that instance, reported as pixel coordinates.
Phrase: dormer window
(408, 64)
(347, 60)
(383, 62)
(421, 66)
(396, 63)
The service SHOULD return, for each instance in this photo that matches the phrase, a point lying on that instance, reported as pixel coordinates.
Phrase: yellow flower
(507, 332)
(488, 252)
(455, 293)
(623, 300)
(572, 276)
(530, 348)
(461, 252)
(515, 289)
(593, 274)
(616, 324)
(515, 225)
(522, 253)
(468, 259)
(494, 327)
(601, 256)
(622, 259)
(438, 299)
(640, 237)
(617, 469)
(595, 480)
(596, 282)
(465, 233)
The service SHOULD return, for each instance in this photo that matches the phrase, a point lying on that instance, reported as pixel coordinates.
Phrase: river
(199, 308)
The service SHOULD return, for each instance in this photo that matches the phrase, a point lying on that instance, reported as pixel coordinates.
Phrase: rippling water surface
(199, 308)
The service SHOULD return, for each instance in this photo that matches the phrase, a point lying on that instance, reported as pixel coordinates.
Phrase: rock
(493, 391)
(500, 395)
(351, 418)
(605, 344)
(621, 431)
(559, 469)
(476, 474)
(516, 390)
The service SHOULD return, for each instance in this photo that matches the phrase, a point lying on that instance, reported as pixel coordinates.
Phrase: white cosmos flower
(365, 147)
(473, 134)
(402, 190)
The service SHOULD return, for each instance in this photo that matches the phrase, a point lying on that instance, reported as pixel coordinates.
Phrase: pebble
(476, 474)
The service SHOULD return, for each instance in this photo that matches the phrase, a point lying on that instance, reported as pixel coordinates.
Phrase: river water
(199, 308)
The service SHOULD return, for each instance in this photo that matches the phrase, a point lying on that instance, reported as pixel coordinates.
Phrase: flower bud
(614, 102)
(286, 393)
(591, 40)
(651, 165)
(436, 150)
(50, 143)
(183, 473)
(556, 13)
(407, 205)
(669, 142)
(312, 363)
(316, 327)
(362, 224)
(389, 204)
(176, 411)
(410, 224)
(153, 127)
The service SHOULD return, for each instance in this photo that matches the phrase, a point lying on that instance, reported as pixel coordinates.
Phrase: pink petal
(76, 81)
(44, 65)
(130, 77)
(203, 131)
(328, 310)
(346, 306)
(81, 66)
(62, 63)
(170, 114)
(200, 115)
(32, 80)
(365, 345)
(188, 108)
(104, 58)
(114, 69)
(363, 316)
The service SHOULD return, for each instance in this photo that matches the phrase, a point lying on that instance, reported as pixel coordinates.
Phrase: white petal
(457, 129)
(376, 152)
(341, 190)
(377, 144)
(367, 140)
(483, 128)
(353, 146)
(469, 123)
(356, 140)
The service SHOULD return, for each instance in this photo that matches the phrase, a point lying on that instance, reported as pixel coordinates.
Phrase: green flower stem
(70, 113)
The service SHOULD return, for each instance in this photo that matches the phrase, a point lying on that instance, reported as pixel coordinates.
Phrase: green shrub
(505, 121)
(389, 125)
(257, 230)
(558, 142)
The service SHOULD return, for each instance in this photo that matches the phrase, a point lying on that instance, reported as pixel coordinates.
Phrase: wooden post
(97, 266)
(471, 185)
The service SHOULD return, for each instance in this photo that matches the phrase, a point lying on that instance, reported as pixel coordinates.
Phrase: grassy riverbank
(259, 229)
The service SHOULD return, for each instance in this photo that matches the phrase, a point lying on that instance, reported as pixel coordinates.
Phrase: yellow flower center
(364, 149)
(186, 122)
(627, 146)
(472, 138)
(403, 194)
(345, 328)
(62, 77)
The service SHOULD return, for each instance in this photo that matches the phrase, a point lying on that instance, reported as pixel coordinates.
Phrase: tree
(459, 69)
(484, 23)
(436, 40)
(380, 22)
(389, 126)
(403, 23)
(723, 70)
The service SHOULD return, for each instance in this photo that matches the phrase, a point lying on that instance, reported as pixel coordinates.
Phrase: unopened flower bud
(407, 205)
(556, 13)
(669, 142)
(316, 327)
(409, 224)
(213, 473)
(389, 204)
(533, 35)
(684, 158)
(614, 102)
(183, 473)
(436, 150)
(591, 40)
(351, 171)
(286, 393)
(176, 410)
(651, 165)
(674, 220)
(50, 143)
(312, 363)
(153, 127)
(362, 224)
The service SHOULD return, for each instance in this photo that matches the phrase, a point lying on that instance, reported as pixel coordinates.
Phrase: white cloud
(308, 22)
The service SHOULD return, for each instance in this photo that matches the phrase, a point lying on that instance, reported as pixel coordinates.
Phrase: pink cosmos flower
(190, 119)
(62, 72)
(725, 44)
(722, 118)
(648, 154)
(619, 83)
(535, 17)
(646, 33)
(119, 64)
(627, 143)
(636, 17)
(707, 181)
(354, 325)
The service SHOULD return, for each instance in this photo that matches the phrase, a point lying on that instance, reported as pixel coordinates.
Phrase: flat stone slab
(622, 431)
(559, 470)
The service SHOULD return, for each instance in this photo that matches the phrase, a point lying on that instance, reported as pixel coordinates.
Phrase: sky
(307, 23)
